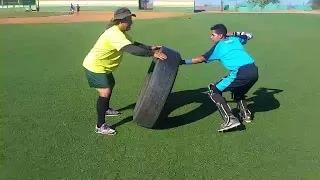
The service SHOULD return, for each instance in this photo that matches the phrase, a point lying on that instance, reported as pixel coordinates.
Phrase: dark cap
(122, 13)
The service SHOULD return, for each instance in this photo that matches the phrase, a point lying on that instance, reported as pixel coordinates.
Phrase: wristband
(188, 61)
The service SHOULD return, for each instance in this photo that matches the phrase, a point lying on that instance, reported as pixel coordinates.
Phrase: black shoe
(112, 112)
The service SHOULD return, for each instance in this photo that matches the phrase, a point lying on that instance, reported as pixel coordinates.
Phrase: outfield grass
(49, 111)
(30, 14)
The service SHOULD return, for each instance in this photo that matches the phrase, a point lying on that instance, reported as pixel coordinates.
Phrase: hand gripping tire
(156, 88)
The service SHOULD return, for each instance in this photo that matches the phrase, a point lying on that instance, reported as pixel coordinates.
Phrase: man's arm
(124, 42)
(134, 48)
(142, 45)
(195, 60)
(153, 48)
(138, 50)
(244, 37)
(200, 59)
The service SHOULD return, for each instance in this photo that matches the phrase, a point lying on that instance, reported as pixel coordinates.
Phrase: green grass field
(48, 110)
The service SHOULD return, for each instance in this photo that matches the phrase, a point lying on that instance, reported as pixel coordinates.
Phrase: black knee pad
(213, 89)
(215, 94)
(217, 98)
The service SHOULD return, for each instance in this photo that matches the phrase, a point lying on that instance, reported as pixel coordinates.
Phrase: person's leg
(229, 120)
(102, 105)
(111, 81)
(102, 85)
(239, 96)
(249, 76)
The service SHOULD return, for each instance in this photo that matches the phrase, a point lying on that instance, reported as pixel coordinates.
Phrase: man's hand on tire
(156, 48)
(159, 55)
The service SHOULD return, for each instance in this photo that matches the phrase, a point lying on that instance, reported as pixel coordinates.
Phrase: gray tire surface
(156, 89)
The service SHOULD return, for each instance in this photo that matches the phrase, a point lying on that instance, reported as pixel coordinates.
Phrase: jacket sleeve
(137, 50)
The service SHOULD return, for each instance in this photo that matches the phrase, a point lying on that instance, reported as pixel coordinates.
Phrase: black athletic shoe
(112, 112)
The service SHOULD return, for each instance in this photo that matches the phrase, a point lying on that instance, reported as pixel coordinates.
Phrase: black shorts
(239, 82)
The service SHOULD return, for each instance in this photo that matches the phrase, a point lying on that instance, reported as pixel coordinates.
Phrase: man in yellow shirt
(106, 56)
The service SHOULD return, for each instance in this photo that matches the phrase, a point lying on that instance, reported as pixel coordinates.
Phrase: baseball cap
(122, 13)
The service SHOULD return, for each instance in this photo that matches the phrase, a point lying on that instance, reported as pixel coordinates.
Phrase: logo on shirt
(228, 41)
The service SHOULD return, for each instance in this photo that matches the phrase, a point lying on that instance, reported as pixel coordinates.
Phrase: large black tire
(156, 88)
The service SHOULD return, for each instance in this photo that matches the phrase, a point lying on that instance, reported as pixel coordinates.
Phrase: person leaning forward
(105, 57)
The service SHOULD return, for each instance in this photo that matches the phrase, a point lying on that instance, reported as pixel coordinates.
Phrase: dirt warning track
(86, 16)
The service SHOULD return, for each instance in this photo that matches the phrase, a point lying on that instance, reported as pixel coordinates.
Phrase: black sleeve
(209, 53)
(138, 51)
(142, 45)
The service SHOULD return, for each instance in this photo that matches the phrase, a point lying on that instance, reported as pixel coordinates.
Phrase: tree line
(314, 3)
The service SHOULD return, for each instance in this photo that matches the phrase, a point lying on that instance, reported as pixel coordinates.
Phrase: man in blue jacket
(228, 49)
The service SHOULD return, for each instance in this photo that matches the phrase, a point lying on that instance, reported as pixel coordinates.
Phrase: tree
(315, 4)
(263, 3)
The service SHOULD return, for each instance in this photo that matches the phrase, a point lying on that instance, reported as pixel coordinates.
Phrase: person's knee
(105, 92)
(213, 89)
(215, 94)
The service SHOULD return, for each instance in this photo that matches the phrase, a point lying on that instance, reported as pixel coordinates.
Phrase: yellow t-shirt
(105, 56)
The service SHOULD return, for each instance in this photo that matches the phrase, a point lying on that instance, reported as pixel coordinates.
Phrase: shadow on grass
(180, 99)
(263, 100)
(175, 101)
